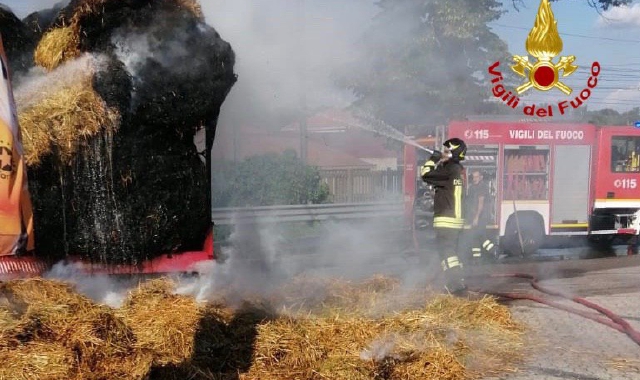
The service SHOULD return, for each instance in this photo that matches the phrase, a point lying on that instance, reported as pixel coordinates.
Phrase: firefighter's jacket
(447, 180)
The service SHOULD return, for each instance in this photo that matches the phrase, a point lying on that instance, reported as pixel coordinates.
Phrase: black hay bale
(138, 189)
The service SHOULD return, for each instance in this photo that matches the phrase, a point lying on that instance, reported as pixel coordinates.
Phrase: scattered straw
(340, 338)
(625, 364)
(37, 361)
(62, 332)
(163, 323)
(54, 333)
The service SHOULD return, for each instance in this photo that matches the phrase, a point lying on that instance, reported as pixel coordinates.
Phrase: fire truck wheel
(529, 229)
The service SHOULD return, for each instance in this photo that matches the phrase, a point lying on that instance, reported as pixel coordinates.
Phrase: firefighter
(477, 217)
(445, 173)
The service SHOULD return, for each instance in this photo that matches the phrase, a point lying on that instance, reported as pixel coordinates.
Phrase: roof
(357, 143)
(251, 143)
(327, 121)
(340, 130)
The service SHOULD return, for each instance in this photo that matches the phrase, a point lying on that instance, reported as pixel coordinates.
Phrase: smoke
(37, 85)
(134, 47)
(287, 54)
(262, 259)
(102, 289)
(380, 349)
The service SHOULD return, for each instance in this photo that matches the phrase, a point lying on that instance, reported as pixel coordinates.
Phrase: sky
(267, 39)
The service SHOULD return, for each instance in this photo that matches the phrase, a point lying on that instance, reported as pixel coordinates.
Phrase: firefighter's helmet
(457, 147)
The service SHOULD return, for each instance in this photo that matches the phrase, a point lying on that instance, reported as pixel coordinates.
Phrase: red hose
(560, 306)
(614, 321)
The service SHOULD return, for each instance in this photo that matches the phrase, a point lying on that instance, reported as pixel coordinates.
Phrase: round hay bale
(113, 171)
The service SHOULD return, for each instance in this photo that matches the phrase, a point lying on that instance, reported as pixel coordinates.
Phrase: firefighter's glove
(427, 167)
(436, 156)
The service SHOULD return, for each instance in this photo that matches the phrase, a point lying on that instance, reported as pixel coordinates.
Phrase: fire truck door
(570, 202)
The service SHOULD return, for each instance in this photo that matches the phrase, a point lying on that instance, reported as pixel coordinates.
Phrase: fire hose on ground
(610, 319)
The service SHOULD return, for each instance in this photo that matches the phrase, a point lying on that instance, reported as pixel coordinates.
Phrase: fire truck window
(526, 175)
(625, 154)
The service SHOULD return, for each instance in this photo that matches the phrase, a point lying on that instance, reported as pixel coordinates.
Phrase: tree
(265, 180)
(609, 116)
(427, 61)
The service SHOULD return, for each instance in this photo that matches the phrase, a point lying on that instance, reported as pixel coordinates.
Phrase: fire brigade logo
(544, 43)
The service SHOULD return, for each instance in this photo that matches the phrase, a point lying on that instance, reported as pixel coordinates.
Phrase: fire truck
(546, 179)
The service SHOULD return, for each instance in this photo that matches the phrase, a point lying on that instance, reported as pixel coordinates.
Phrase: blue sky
(260, 32)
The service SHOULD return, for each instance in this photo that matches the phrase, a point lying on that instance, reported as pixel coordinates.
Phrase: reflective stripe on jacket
(447, 180)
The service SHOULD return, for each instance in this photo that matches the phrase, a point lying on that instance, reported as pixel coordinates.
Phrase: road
(562, 345)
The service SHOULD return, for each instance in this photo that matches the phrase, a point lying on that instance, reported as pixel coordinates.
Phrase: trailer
(546, 179)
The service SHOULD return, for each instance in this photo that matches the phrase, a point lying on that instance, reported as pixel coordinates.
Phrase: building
(356, 164)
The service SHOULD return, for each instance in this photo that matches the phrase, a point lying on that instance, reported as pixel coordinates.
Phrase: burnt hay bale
(129, 184)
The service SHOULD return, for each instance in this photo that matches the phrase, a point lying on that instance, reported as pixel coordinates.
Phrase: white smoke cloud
(621, 100)
(621, 17)
(102, 289)
(278, 59)
(39, 84)
(262, 257)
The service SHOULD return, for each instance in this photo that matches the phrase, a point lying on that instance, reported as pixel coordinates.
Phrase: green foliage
(427, 61)
(609, 116)
(265, 180)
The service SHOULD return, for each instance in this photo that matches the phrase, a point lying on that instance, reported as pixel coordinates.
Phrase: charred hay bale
(18, 40)
(134, 186)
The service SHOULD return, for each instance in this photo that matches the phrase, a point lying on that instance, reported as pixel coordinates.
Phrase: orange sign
(16, 218)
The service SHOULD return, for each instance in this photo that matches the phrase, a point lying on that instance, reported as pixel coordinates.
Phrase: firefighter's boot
(476, 255)
(454, 275)
(489, 251)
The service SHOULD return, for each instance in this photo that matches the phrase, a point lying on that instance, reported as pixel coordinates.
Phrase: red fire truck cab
(547, 179)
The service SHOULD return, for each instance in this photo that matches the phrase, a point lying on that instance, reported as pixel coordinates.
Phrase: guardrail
(307, 213)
